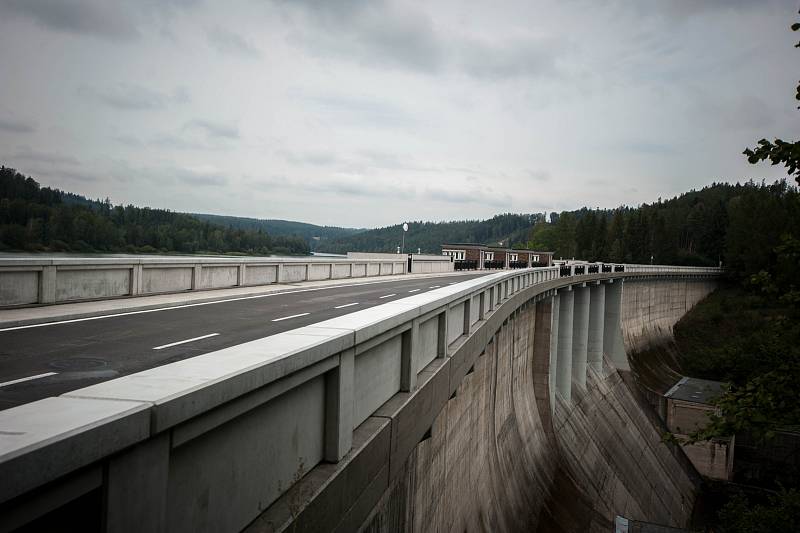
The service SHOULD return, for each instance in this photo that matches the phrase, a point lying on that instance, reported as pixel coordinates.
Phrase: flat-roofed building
(481, 256)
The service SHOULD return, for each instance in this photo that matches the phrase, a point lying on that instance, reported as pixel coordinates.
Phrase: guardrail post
(467, 315)
(408, 361)
(136, 487)
(47, 285)
(240, 275)
(441, 336)
(339, 407)
(196, 277)
(136, 280)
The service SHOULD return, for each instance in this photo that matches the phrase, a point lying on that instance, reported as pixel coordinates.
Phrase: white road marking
(170, 345)
(290, 316)
(388, 296)
(413, 290)
(345, 305)
(184, 306)
(452, 283)
(434, 286)
(20, 380)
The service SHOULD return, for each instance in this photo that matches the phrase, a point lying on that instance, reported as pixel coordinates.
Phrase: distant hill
(511, 229)
(287, 228)
(40, 219)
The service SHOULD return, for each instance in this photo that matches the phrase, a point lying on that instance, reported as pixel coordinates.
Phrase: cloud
(128, 140)
(133, 97)
(214, 129)
(539, 175)
(98, 18)
(201, 177)
(510, 59)
(372, 33)
(28, 155)
(310, 158)
(384, 35)
(16, 126)
(484, 196)
(230, 43)
(358, 110)
(340, 184)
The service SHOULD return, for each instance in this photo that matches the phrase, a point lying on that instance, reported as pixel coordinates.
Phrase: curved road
(50, 359)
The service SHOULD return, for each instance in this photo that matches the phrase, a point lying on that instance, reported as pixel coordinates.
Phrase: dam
(501, 403)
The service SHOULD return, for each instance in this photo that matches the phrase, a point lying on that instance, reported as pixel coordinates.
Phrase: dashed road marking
(290, 316)
(20, 380)
(170, 345)
(413, 290)
(345, 305)
(388, 296)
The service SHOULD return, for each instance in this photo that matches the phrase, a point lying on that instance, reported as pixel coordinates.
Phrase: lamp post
(403, 242)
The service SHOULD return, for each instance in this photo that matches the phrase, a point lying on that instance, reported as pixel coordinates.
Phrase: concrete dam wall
(503, 455)
(494, 404)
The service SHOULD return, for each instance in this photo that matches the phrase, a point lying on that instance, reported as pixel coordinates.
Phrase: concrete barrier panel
(359, 271)
(377, 378)
(293, 273)
(318, 272)
(386, 269)
(166, 279)
(455, 323)
(18, 288)
(475, 309)
(340, 271)
(261, 275)
(217, 277)
(428, 342)
(90, 284)
(223, 479)
(373, 269)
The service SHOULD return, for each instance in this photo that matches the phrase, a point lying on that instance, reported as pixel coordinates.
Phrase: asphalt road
(51, 359)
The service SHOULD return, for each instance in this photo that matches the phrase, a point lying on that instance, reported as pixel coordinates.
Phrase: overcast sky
(368, 113)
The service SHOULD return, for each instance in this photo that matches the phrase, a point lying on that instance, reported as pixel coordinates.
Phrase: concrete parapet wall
(412, 415)
(48, 281)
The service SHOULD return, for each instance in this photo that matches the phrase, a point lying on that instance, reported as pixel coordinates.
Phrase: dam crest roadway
(494, 401)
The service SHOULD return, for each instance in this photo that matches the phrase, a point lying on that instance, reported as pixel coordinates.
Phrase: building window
(513, 257)
(489, 256)
(535, 258)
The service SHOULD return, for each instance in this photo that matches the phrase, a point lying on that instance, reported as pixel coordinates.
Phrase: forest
(429, 236)
(42, 219)
(738, 225)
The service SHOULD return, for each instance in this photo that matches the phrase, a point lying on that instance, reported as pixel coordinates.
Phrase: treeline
(740, 225)
(312, 233)
(40, 219)
(429, 236)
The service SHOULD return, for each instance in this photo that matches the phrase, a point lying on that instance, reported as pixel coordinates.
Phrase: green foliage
(781, 513)
(308, 232)
(512, 230)
(750, 340)
(35, 218)
(779, 151)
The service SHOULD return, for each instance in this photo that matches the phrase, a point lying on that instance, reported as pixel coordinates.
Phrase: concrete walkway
(68, 311)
